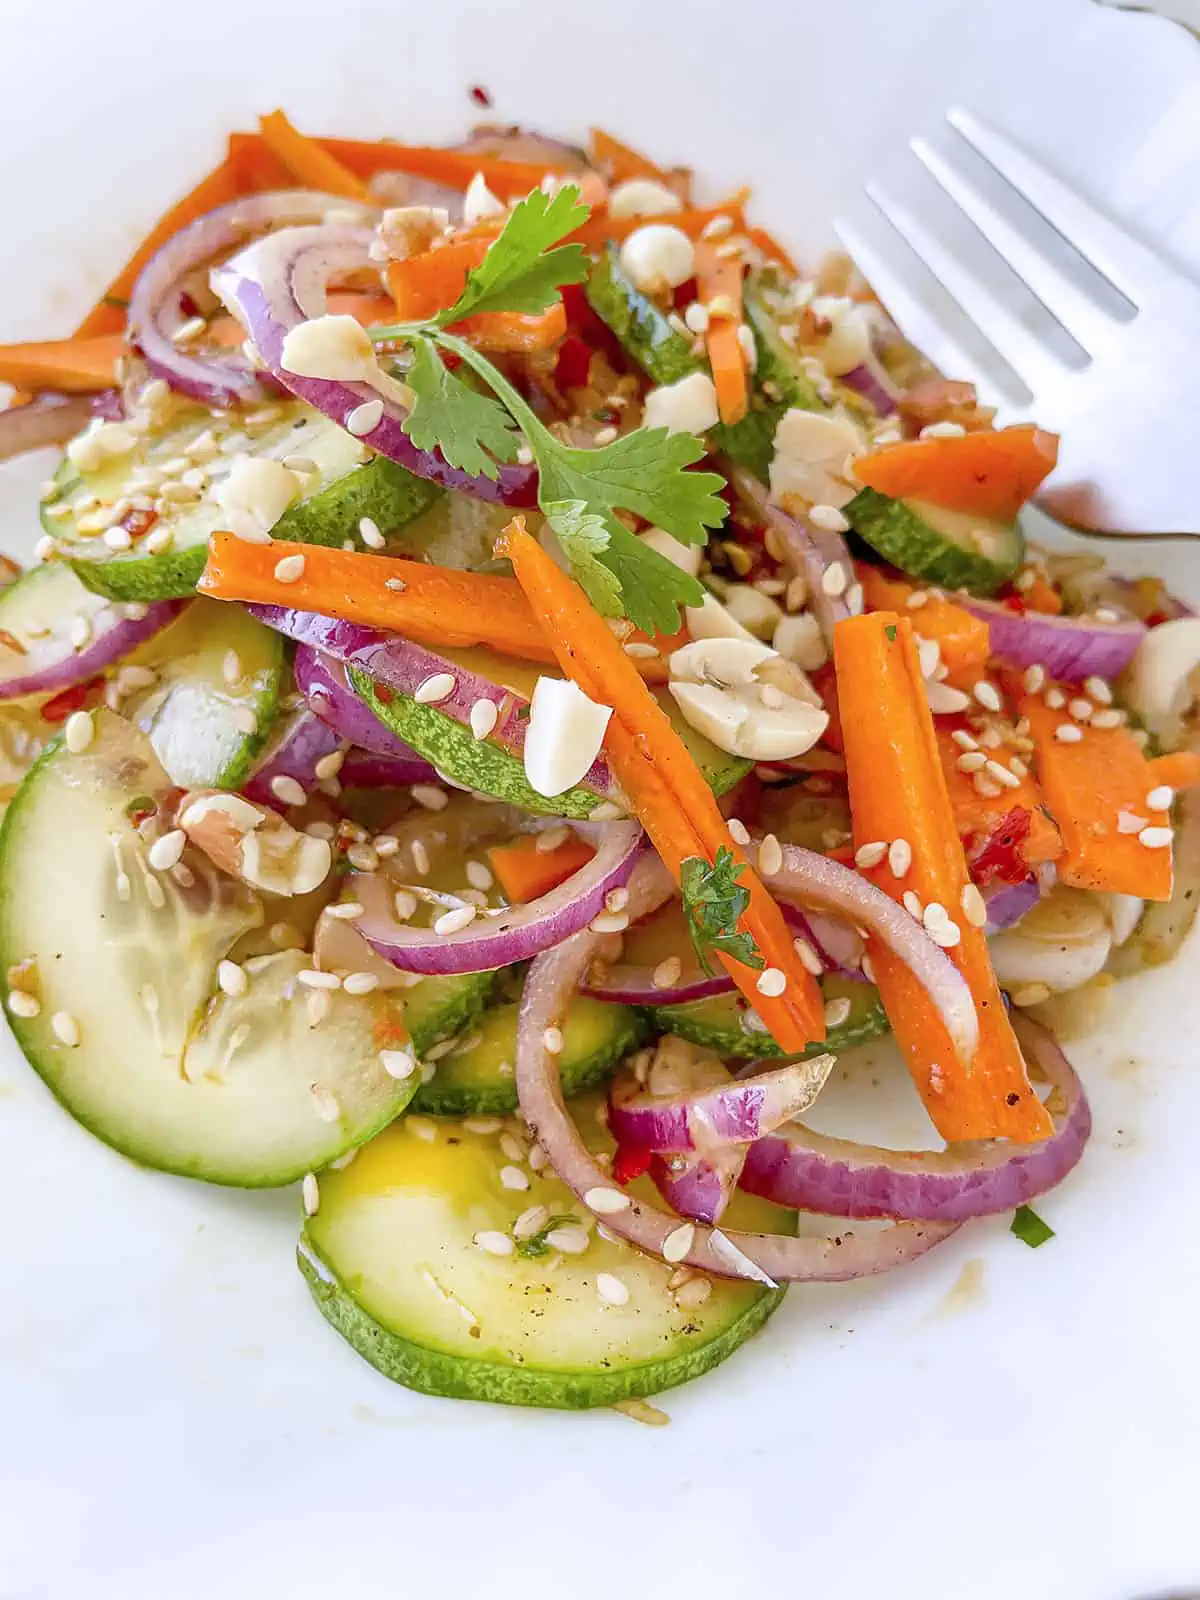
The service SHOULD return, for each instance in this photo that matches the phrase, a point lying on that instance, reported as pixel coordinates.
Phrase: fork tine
(1003, 331)
(1085, 322)
(914, 320)
(1128, 265)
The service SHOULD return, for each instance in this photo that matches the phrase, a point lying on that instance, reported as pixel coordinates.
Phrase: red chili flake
(573, 365)
(629, 1163)
(1013, 602)
(1153, 618)
(479, 95)
(139, 523)
(383, 694)
(684, 294)
(999, 855)
(60, 706)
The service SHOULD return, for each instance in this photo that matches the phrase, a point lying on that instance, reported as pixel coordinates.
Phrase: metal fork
(1129, 462)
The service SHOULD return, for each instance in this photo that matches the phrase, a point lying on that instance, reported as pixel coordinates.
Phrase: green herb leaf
(472, 430)
(537, 1245)
(520, 271)
(584, 535)
(890, 630)
(1029, 1227)
(713, 901)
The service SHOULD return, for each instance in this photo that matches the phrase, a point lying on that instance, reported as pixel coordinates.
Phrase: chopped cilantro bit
(1029, 1227)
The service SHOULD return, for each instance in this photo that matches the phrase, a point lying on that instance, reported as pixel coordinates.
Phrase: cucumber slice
(436, 1009)
(777, 363)
(206, 728)
(719, 1022)
(391, 1260)
(947, 548)
(477, 1076)
(343, 489)
(167, 1069)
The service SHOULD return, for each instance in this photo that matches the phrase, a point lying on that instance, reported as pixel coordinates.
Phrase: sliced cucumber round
(947, 548)
(437, 1009)
(206, 721)
(133, 1035)
(393, 1264)
(720, 1022)
(340, 488)
(477, 1076)
(663, 353)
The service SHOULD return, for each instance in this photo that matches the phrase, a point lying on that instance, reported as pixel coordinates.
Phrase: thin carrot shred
(898, 792)
(964, 640)
(672, 799)
(620, 161)
(597, 231)
(771, 247)
(1178, 770)
(308, 161)
(719, 278)
(526, 873)
(990, 473)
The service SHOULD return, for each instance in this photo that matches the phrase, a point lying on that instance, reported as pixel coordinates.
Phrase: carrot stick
(508, 180)
(771, 247)
(1041, 595)
(673, 802)
(526, 873)
(307, 161)
(897, 791)
(717, 277)
(965, 640)
(427, 283)
(621, 161)
(990, 473)
(1179, 770)
(977, 815)
(514, 331)
(597, 231)
(1090, 783)
(72, 366)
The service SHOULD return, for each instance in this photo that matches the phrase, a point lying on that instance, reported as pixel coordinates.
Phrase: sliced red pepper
(998, 856)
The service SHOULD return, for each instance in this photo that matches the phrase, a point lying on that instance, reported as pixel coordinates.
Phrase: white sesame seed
(1068, 733)
(364, 419)
(834, 579)
(1161, 799)
(397, 1063)
(1031, 994)
(987, 695)
(667, 973)
(1080, 709)
(609, 922)
(829, 518)
(429, 798)
(971, 761)
(1110, 717)
(493, 1242)
(80, 632)
(232, 979)
(1106, 614)
(288, 790)
(974, 907)
(78, 731)
(1001, 774)
(553, 1040)
(964, 740)
(24, 1005)
(1099, 690)
(65, 1029)
(771, 982)
(870, 855)
(611, 1290)
(1156, 838)
(454, 921)
(945, 700)
(942, 430)
(396, 585)
(606, 1202)
(571, 1240)
(837, 1011)
(900, 857)
(420, 857)
(738, 831)
(1018, 768)
(912, 904)
(690, 1296)
(679, 1242)
(360, 982)
(310, 1194)
(290, 569)
(483, 717)
(1035, 679)
(917, 599)
(165, 852)
(513, 1178)
(808, 957)
(434, 688)
(369, 532)
(1055, 698)
(329, 765)
(770, 856)
(534, 1218)
(311, 978)
(362, 857)
(984, 786)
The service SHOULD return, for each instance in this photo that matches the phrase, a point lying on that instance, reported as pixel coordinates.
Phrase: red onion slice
(516, 933)
(155, 315)
(811, 1172)
(699, 1186)
(1070, 648)
(763, 1258)
(305, 740)
(280, 282)
(872, 382)
(52, 419)
(736, 1112)
(324, 687)
(630, 985)
(1007, 903)
(51, 661)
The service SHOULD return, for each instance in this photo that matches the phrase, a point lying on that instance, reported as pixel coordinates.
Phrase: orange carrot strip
(621, 161)
(673, 801)
(977, 815)
(1089, 783)
(897, 791)
(526, 873)
(771, 247)
(308, 161)
(597, 231)
(717, 276)
(429, 282)
(1041, 595)
(72, 366)
(1179, 770)
(965, 640)
(991, 473)
(512, 331)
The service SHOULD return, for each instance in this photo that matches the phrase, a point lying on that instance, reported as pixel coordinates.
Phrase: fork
(1129, 417)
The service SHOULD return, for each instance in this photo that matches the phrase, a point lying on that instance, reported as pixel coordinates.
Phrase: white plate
(175, 1419)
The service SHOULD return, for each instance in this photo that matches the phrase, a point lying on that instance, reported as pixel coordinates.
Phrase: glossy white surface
(175, 1418)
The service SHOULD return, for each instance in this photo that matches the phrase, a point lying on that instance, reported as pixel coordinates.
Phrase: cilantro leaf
(449, 415)
(583, 535)
(537, 1245)
(713, 901)
(520, 271)
(1029, 1227)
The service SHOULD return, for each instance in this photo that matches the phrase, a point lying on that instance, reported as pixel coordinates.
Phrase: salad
(517, 678)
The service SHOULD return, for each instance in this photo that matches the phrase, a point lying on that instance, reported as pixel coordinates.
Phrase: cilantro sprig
(580, 491)
(713, 902)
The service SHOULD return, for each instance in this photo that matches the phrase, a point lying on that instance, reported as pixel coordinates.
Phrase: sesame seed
(231, 979)
(362, 857)
(738, 831)
(834, 579)
(513, 1178)
(940, 927)
(944, 700)
(971, 761)
(369, 532)
(364, 419)
(678, 1242)
(983, 785)
(690, 1296)
(987, 695)
(290, 569)
(549, 839)
(667, 973)
(808, 957)
(80, 632)
(484, 716)
(288, 790)
(329, 766)
(494, 1243)
(770, 856)
(479, 876)
(1080, 709)
(1005, 778)
(609, 922)
(942, 430)
(870, 855)
(1160, 799)
(964, 740)
(65, 1029)
(512, 1147)
(899, 857)
(1055, 698)
(553, 1040)
(310, 1194)
(1156, 838)
(311, 978)
(991, 738)
(533, 1219)
(1018, 768)
(829, 518)
(360, 982)
(324, 1103)
(1099, 690)
(912, 904)
(572, 1241)
(771, 982)
(1068, 733)
(974, 907)
(917, 599)
(837, 1011)
(429, 798)
(420, 859)
(396, 585)
(397, 1063)
(454, 921)
(385, 844)
(78, 731)
(868, 969)
(611, 1290)
(1108, 718)
(1034, 679)
(606, 1202)
(165, 852)
(1106, 614)
(434, 688)
(696, 317)
(24, 1005)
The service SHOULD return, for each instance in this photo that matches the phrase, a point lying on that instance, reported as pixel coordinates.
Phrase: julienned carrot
(771, 247)
(964, 640)
(514, 331)
(898, 792)
(597, 231)
(72, 366)
(1041, 595)
(309, 162)
(526, 873)
(720, 278)
(672, 799)
(977, 815)
(1179, 770)
(620, 161)
(991, 474)
(427, 283)
(508, 180)
(1091, 780)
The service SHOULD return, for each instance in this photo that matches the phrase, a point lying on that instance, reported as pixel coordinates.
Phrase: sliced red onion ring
(400, 664)
(51, 419)
(53, 662)
(324, 687)
(498, 939)
(872, 382)
(280, 282)
(154, 307)
(629, 985)
(305, 740)
(811, 1172)
(736, 1112)
(840, 947)
(763, 1258)
(1007, 903)
(699, 1185)
(1070, 648)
